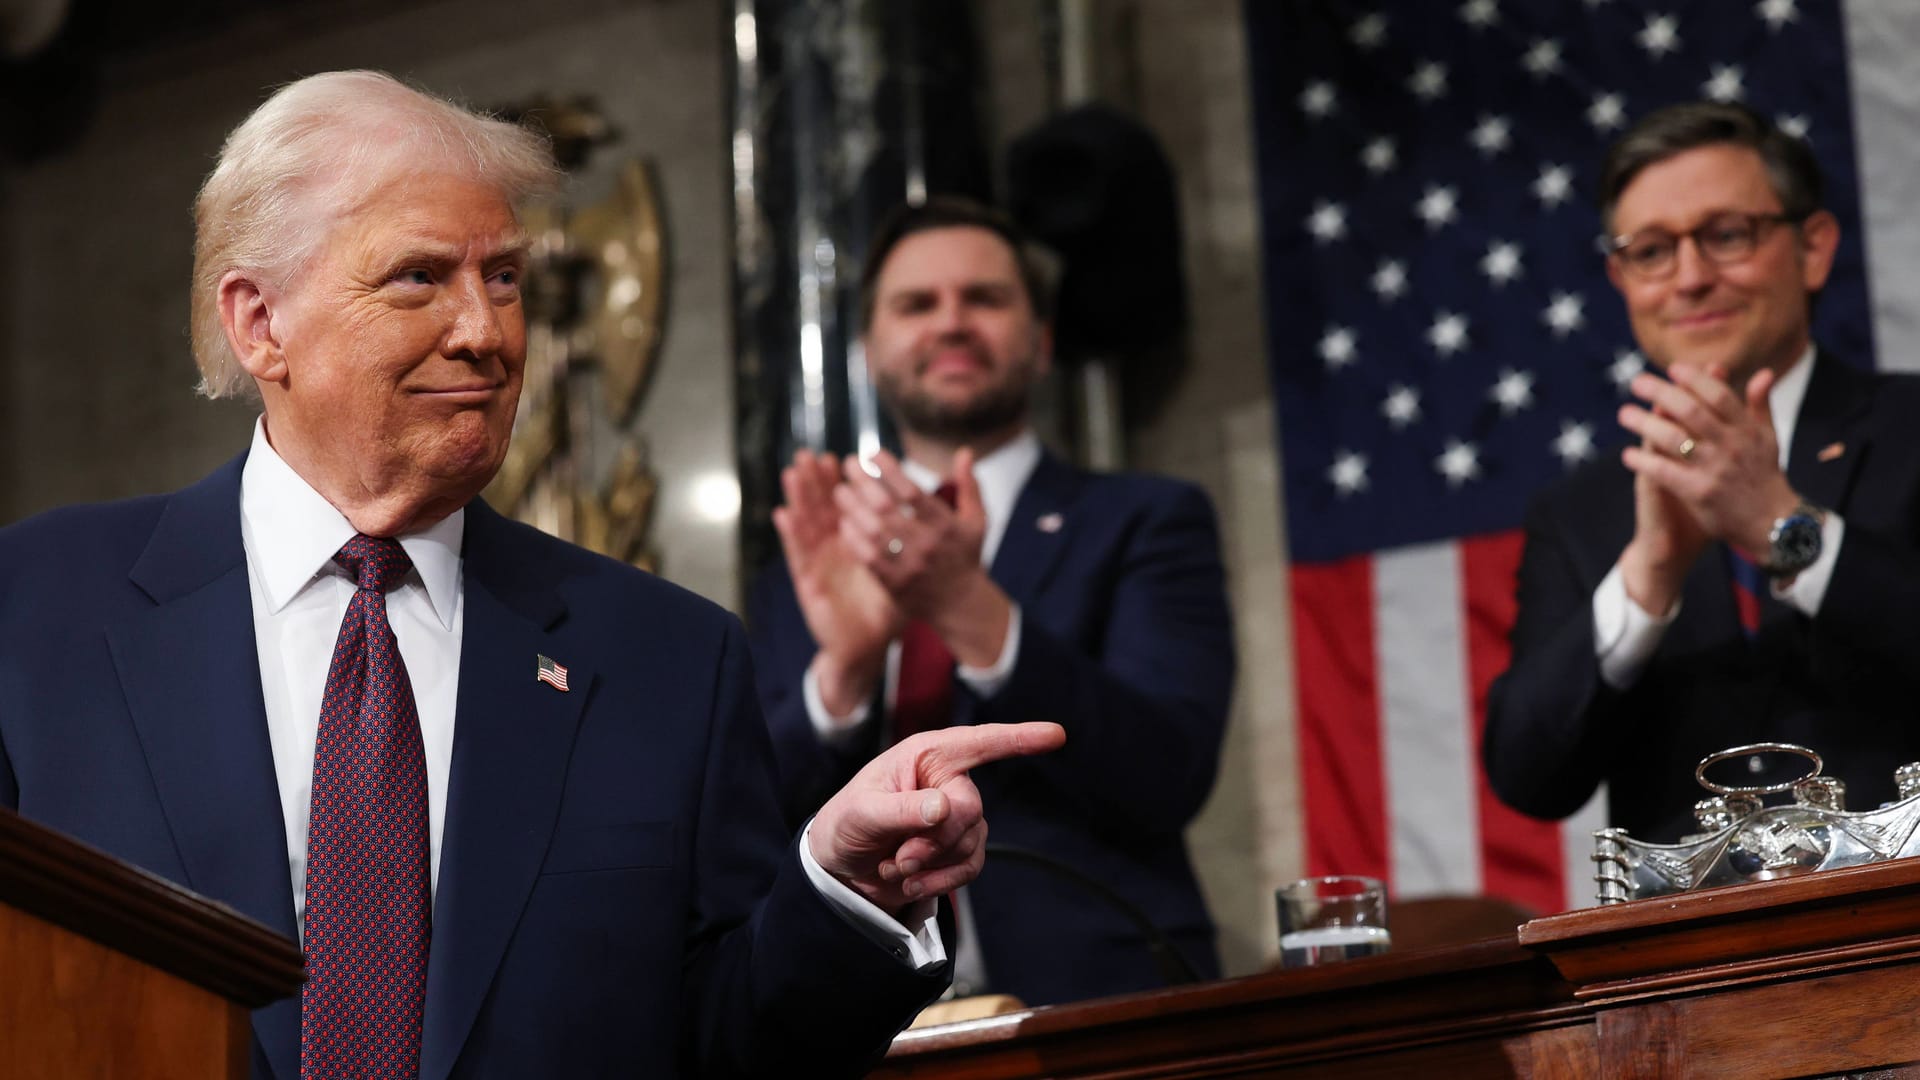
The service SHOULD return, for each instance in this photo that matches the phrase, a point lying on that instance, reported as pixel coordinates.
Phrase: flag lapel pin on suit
(1831, 452)
(546, 671)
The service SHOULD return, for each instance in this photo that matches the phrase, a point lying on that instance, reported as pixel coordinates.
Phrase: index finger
(800, 482)
(1709, 389)
(951, 751)
(894, 478)
(1673, 400)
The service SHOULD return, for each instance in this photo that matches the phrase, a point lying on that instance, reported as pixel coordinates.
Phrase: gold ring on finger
(895, 546)
(1685, 448)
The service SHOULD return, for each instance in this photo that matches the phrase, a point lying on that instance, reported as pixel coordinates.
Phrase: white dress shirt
(300, 597)
(1625, 634)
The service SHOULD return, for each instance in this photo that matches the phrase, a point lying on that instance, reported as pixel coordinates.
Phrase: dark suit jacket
(1844, 683)
(1127, 642)
(617, 892)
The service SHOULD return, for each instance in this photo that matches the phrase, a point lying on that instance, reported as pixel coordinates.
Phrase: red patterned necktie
(923, 693)
(367, 910)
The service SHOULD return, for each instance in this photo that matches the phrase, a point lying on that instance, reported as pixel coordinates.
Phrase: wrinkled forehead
(427, 210)
(1683, 191)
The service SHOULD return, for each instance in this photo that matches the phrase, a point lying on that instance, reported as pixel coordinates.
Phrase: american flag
(1444, 343)
(546, 671)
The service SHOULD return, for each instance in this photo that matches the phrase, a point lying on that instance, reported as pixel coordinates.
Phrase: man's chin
(1726, 356)
(464, 463)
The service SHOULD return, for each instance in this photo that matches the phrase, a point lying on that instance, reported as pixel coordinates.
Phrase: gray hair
(311, 155)
(1791, 168)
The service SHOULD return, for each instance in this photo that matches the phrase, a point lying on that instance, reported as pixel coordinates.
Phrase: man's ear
(247, 316)
(1819, 240)
(1045, 353)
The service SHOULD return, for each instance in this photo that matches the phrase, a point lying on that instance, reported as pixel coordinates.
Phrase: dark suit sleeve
(1145, 707)
(9, 787)
(9, 784)
(1872, 600)
(774, 977)
(1550, 716)
(810, 771)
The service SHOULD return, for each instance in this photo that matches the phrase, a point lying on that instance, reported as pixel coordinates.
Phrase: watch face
(1796, 544)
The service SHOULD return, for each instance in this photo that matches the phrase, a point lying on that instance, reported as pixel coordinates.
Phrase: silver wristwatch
(1794, 542)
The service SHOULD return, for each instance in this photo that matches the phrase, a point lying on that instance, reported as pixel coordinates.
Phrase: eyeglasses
(1652, 254)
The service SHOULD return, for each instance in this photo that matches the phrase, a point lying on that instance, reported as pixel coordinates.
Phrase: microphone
(1175, 970)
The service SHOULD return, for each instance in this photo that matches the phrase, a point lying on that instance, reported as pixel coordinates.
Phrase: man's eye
(1648, 252)
(414, 276)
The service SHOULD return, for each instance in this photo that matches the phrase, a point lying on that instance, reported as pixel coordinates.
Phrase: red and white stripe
(1395, 653)
(552, 674)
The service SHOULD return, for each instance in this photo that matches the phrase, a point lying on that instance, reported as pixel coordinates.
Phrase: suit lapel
(511, 743)
(1037, 532)
(191, 675)
(1832, 416)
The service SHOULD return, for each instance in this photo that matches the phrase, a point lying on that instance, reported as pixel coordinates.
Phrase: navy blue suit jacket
(1127, 642)
(617, 895)
(1843, 683)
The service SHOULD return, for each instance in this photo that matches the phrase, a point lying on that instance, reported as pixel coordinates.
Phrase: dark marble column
(841, 109)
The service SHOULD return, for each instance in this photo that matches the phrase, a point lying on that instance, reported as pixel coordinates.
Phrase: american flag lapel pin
(1049, 523)
(546, 671)
(1831, 452)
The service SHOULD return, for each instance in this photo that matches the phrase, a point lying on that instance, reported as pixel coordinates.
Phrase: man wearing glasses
(1749, 570)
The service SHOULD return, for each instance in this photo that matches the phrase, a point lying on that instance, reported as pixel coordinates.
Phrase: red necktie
(367, 911)
(923, 693)
(1748, 583)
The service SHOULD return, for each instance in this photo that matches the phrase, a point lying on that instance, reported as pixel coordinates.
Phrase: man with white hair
(514, 799)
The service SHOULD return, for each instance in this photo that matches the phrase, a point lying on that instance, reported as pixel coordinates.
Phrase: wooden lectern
(1814, 976)
(106, 970)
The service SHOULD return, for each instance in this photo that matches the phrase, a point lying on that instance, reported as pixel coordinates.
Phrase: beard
(994, 408)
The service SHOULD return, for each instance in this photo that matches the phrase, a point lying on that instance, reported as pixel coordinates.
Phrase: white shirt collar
(1785, 398)
(1000, 474)
(292, 534)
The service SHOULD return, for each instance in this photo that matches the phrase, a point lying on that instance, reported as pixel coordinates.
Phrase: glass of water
(1323, 919)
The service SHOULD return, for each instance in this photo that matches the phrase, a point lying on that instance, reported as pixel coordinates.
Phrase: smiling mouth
(954, 360)
(1702, 319)
(461, 394)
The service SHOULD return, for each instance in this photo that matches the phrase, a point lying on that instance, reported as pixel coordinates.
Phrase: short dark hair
(1664, 133)
(950, 212)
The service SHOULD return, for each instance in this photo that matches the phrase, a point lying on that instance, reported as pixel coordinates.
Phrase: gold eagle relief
(595, 297)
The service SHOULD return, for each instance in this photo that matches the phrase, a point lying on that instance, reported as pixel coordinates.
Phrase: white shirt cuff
(1625, 635)
(988, 681)
(1809, 587)
(833, 730)
(914, 938)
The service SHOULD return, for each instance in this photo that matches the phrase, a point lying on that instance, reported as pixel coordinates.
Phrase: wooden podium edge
(66, 883)
(1689, 941)
(1290, 1018)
